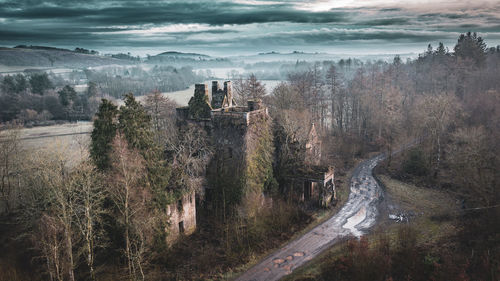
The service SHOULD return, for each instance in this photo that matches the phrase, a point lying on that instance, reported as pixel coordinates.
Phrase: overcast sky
(353, 27)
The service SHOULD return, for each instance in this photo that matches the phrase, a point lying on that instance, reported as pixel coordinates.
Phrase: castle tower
(215, 87)
(201, 89)
(239, 168)
(199, 106)
(217, 95)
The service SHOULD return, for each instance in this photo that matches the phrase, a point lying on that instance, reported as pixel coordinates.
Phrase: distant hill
(179, 59)
(311, 57)
(183, 55)
(41, 56)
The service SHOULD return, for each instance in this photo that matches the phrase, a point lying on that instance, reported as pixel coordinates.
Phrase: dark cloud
(96, 23)
(455, 16)
(45, 13)
(391, 10)
(176, 12)
(327, 37)
(468, 25)
(385, 21)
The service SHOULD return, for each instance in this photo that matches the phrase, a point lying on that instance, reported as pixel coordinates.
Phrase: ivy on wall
(245, 181)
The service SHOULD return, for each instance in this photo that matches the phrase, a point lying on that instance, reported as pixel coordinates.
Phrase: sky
(243, 27)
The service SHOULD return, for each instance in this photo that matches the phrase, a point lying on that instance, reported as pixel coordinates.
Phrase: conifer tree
(135, 124)
(471, 46)
(103, 134)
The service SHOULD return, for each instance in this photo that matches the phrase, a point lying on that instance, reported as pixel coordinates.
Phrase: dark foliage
(40, 83)
(103, 133)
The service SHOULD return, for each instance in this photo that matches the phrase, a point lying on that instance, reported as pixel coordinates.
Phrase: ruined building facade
(238, 134)
(222, 98)
(311, 182)
(241, 168)
(182, 217)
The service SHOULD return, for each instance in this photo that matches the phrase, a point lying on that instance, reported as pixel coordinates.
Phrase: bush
(416, 164)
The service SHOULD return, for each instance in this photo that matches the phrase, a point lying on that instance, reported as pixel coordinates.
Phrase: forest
(104, 218)
(43, 98)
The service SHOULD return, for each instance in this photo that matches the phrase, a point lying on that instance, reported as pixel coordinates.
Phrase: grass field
(70, 139)
(434, 211)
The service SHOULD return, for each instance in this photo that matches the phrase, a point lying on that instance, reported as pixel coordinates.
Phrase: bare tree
(50, 197)
(162, 112)
(129, 197)
(191, 152)
(434, 114)
(472, 158)
(51, 246)
(87, 209)
(334, 80)
(250, 88)
(10, 165)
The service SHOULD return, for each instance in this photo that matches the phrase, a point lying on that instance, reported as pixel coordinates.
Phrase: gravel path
(358, 214)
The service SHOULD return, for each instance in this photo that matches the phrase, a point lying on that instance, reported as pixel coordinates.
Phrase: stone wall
(313, 185)
(182, 217)
(221, 97)
(199, 104)
(237, 134)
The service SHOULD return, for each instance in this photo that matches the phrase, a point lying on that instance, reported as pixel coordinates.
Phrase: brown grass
(436, 211)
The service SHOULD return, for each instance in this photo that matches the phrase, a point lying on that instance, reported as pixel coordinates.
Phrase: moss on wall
(241, 179)
(199, 106)
(259, 161)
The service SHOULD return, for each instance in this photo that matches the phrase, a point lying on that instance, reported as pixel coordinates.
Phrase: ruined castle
(243, 144)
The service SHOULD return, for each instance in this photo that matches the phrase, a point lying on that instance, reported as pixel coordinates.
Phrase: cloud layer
(246, 26)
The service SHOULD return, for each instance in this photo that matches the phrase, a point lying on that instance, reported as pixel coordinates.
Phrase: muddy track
(357, 215)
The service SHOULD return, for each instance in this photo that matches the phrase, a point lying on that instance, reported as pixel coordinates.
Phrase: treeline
(115, 82)
(39, 97)
(448, 102)
(373, 104)
(35, 99)
(76, 50)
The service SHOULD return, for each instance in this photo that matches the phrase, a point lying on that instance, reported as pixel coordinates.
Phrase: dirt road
(358, 214)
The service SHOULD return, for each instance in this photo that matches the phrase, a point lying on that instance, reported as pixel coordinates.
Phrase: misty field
(71, 139)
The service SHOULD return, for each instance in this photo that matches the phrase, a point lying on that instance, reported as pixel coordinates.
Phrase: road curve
(358, 214)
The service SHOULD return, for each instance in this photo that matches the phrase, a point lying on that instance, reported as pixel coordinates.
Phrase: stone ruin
(311, 182)
(182, 217)
(222, 97)
(232, 129)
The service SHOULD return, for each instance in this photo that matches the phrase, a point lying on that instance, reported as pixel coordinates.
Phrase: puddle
(355, 220)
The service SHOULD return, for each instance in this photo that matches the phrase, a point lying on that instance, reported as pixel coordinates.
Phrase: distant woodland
(40, 97)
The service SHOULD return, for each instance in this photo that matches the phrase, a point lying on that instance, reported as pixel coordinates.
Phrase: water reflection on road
(358, 214)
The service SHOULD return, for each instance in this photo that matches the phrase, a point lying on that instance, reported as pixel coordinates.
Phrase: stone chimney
(228, 91)
(215, 87)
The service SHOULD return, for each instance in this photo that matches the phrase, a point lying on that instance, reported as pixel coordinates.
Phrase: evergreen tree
(8, 85)
(66, 95)
(40, 83)
(135, 124)
(21, 83)
(256, 90)
(10, 101)
(429, 50)
(471, 46)
(103, 134)
(441, 50)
